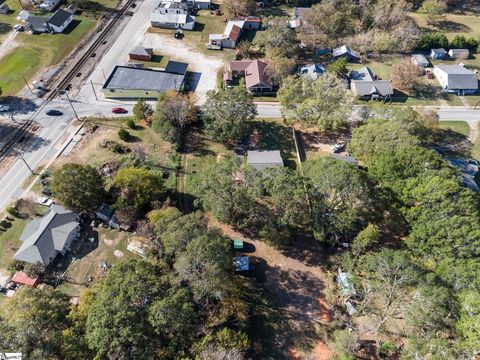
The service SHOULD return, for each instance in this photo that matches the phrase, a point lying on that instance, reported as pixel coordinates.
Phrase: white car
(19, 27)
(45, 201)
(338, 147)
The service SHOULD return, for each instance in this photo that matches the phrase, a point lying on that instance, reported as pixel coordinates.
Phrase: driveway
(203, 69)
(8, 43)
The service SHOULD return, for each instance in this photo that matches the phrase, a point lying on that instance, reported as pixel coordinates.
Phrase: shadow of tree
(452, 26)
(5, 28)
(19, 105)
(287, 313)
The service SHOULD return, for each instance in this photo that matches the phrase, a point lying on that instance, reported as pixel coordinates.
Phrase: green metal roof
(237, 243)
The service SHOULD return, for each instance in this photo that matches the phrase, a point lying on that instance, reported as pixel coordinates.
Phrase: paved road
(446, 113)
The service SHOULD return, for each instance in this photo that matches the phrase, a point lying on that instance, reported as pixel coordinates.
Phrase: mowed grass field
(454, 24)
(39, 51)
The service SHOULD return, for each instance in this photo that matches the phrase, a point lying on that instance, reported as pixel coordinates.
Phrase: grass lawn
(206, 24)
(112, 248)
(467, 25)
(37, 52)
(473, 100)
(9, 241)
(457, 126)
(7, 21)
(159, 61)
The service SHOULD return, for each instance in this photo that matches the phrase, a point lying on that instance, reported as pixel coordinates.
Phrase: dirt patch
(322, 351)
(109, 242)
(118, 254)
(296, 313)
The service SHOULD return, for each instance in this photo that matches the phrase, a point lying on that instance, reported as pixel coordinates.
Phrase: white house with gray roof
(456, 79)
(46, 237)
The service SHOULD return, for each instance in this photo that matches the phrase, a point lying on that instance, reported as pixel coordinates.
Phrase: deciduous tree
(228, 113)
(323, 103)
(78, 187)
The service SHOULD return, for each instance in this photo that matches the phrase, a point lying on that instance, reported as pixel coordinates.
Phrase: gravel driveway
(205, 68)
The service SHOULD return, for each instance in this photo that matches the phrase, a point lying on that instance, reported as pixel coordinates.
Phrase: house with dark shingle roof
(56, 23)
(46, 237)
(366, 85)
(456, 79)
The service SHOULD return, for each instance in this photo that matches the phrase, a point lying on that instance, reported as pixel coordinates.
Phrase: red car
(119, 110)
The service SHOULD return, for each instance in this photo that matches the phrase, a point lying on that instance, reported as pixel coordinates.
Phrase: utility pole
(70, 101)
(26, 83)
(94, 92)
(20, 155)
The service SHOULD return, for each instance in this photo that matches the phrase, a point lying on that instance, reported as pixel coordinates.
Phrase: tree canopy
(228, 113)
(323, 103)
(78, 187)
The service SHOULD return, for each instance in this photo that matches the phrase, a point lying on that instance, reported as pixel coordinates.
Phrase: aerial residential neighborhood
(240, 179)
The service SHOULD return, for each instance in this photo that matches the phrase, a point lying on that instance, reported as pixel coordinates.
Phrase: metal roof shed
(241, 263)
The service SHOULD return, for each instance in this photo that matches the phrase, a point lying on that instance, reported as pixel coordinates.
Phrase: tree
(443, 217)
(434, 10)
(279, 68)
(323, 103)
(225, 199)
(365, 238)
(279, 41)
(244, 49)
(33, 317)
(228, 113)
(235, 8)
(142, 111)
(327, 23)
(432, 40)
(137, 187)
(118, 323)
(78, 187)
(206, 265)
(174, 314)
(284, 196)
(338, 67)
(175, 112)
(468, 323)
(181, 231)
(405, 76)
(388, 276)
(461, 42)
(162, 218)
(342, 197)
(123, 134)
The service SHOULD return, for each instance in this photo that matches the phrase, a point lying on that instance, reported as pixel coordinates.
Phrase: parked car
(338, 147)
(119, 110)
(4, 108)
(19, 27)
(45, 201)
(53, 112)
(47, 191)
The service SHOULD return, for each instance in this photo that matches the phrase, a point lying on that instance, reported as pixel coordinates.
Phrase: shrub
(131, 124)
(123, 134)
(387, 349)
(432, 41)
(12, 210)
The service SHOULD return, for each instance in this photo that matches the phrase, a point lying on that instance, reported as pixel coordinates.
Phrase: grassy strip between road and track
(456, 126)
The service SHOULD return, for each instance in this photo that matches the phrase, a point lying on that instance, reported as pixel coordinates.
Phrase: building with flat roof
(136, 83)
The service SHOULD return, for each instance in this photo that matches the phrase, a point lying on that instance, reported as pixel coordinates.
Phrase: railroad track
(65, 80)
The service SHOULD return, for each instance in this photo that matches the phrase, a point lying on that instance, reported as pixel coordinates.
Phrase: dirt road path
(297, 313)
(8, 43)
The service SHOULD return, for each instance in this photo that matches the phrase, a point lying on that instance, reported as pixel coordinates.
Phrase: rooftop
(455, 69)
(364, 73)
(128, 78)
(59, 18)
(262, 159)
